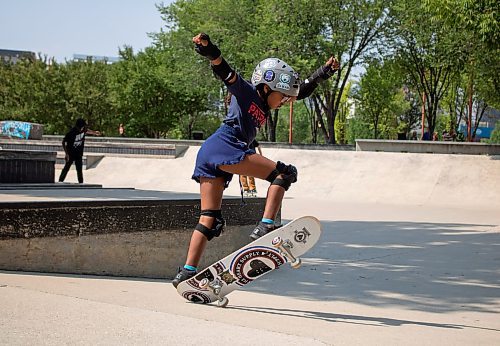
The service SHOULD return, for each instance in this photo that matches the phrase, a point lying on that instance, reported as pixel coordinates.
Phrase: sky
(61, 28)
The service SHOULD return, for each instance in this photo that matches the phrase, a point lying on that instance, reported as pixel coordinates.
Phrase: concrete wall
(119, 149)
(24, 166)
(427, 147)
(20, 129)
(121, 238)
(182, 143)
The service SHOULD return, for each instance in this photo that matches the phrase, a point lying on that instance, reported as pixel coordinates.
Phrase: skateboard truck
(284, 247)
(215, 287)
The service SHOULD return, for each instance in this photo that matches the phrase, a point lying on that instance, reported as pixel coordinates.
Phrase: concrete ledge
(20, 129)
(25, 166)
(123, 238)
(48, 186)
(124, 149)
(427, 147)
(184, 143)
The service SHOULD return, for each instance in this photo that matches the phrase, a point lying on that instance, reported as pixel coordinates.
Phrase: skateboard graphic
(252, 261)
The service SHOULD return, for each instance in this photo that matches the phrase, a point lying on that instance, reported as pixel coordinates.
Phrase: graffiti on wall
(18, 129)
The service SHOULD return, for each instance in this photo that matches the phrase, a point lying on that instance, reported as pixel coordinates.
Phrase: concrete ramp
(395, 178)
(359, 177)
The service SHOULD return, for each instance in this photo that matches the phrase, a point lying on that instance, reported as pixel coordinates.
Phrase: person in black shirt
(73, 144)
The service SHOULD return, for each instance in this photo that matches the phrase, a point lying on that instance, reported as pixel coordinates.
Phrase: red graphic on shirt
(257, 113)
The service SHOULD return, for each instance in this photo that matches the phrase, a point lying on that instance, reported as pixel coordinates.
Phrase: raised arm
(92, 132)
(221, 68)
(307, 87)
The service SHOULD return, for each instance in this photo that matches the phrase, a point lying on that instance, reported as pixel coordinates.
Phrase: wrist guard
(210, 51)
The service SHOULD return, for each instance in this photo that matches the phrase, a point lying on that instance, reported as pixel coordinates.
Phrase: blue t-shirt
(247, 112)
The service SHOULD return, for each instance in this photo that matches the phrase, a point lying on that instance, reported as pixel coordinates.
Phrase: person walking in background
(248, 182)
(73, 144)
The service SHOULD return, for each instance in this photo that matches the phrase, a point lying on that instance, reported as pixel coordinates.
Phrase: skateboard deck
(252, 261)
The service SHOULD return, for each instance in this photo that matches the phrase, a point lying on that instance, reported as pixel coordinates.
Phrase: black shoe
(182, 275)
(261, 230)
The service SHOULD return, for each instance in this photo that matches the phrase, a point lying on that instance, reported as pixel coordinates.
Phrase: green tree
(199, 95)
(86, 94)
(381, 99)
(141, 93)
(303, 33)
(475, 25)
(353, 31)
(33, 91)
(430, 52)
(479, 17)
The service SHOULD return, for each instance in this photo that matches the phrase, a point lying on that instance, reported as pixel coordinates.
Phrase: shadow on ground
(433, 267)
(353, 319)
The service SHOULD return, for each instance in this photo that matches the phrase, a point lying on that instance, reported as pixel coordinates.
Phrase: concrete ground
(401, 271)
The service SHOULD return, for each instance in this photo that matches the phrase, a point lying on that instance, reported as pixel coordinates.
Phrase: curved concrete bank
(337, 176)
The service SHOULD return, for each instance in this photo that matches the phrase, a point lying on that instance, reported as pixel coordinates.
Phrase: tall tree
(430, 51)
(200, 95)
(142, 92)
(475, 25)
(353, 31)
(86, 93)
(380, 98)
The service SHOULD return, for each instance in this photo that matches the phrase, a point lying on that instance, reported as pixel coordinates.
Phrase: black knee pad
(217, 225)
(289, 175)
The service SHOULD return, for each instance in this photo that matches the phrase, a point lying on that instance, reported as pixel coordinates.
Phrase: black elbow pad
(223, 71)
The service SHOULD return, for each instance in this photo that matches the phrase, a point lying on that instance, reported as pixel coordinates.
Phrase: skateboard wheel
(223, 302)
(204, 283)
(277, 241)
(296, 264)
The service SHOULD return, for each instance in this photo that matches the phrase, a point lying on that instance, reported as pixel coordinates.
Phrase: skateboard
(285, 244)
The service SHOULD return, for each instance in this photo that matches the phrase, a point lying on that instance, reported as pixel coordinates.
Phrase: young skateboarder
(227, 152)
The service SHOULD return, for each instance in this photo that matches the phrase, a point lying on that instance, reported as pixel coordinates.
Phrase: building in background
(85, 57)
(485, 126)
(13, 56)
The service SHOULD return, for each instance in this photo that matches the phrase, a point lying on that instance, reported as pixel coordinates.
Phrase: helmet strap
(264, 93)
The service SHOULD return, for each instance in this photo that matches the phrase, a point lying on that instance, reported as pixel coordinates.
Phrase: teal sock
(268, 221)
(191, 268)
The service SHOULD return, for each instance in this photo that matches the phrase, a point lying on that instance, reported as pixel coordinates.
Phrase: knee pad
(218, 224)
(288, 174)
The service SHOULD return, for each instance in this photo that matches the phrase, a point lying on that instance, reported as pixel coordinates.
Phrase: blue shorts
(221, 148)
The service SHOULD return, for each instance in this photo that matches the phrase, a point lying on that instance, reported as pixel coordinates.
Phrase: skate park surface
(409, 255)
